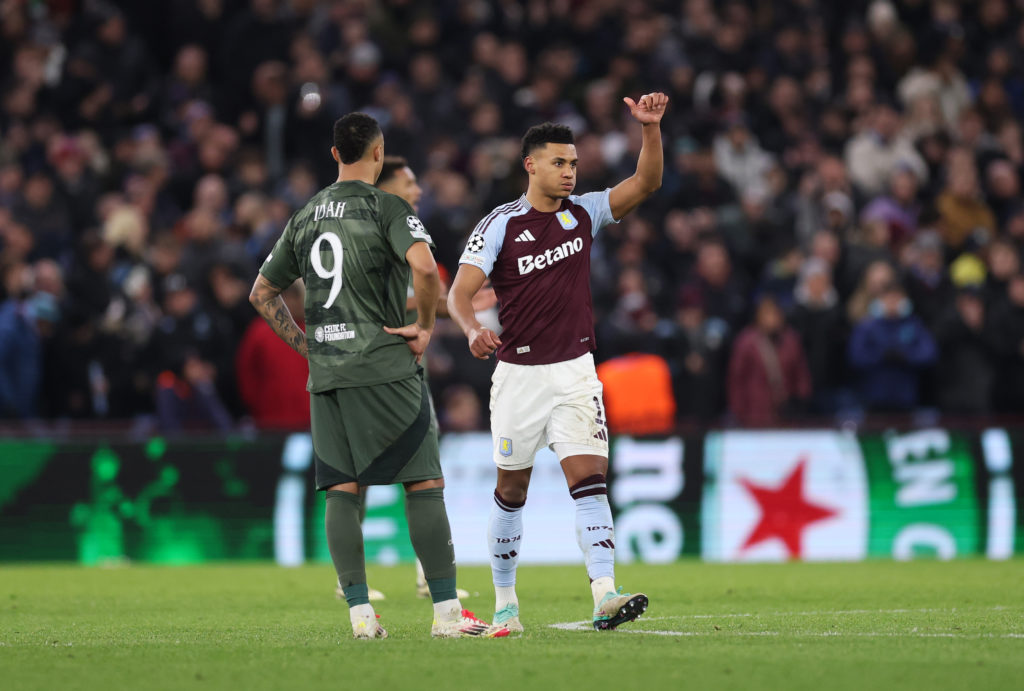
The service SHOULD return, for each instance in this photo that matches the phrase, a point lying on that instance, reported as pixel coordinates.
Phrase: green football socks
(362, 505)
(431, 537)
(345, 541)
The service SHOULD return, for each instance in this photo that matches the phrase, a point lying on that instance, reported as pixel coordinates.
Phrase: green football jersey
(348, 244)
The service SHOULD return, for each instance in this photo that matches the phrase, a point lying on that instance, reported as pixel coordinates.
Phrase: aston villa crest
(567, 220)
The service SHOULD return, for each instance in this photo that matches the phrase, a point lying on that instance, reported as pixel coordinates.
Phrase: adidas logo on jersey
(541, 261)
(525, 236)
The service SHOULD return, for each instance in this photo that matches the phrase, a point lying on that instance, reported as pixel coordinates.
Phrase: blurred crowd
(839, 229)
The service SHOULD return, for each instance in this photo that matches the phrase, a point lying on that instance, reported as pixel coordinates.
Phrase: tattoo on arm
(267, 300)
(284, 325)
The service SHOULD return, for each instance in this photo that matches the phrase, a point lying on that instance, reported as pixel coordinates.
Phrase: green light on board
(156, 448)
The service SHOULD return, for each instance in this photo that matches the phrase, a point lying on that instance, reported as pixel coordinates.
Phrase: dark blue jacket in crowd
(888, 355)
(19, 360)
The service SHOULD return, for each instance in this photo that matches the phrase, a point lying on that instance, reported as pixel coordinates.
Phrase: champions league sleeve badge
(416, 228)
(476, 243)
(567, 220)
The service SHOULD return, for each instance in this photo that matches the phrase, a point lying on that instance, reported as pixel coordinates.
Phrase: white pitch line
(888, 634)
(735, 615)
(894, 634)
(586, 625)
(696, 633)
(570, 625)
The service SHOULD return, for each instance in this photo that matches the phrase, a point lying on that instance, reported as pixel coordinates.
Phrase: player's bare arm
(266, 298)
(483, 300)
(468, 280)
(629, 193)
(426, 286)
(442, 302)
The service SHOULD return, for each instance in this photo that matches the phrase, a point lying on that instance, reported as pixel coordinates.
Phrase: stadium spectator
(888, 350)
(738, 156)
(46, 214)
(963, 212)
(899, 208)
(1003, 263)
(780, 276)
(1002, 186)
(768, 375)
(228, 307)
(696, 349)
(966, 372)
(129, 322)
(19, 344)
(630, 327)
(185, 346)
(1007, 325)
(874, 153)
(878, 275)
(928, 284)
(721, 292)
(818, 318)
(823, 199)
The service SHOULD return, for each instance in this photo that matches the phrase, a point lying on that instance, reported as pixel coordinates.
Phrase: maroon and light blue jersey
(539, 264)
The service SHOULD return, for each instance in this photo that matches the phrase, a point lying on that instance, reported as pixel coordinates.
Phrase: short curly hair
(546, 133)
(353, 134)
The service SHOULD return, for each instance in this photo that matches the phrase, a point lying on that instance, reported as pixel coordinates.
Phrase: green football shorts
(375, 435)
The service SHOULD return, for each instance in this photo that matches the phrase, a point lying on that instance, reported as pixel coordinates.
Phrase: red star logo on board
(785, 512)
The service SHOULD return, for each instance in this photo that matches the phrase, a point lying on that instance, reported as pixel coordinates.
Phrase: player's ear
(529, 165)
(335, 154)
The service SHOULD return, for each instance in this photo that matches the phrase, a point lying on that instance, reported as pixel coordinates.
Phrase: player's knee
(512, 485)
(583, 466)
(511, 494)
(437, 483)
(590, 486)
(348, 488)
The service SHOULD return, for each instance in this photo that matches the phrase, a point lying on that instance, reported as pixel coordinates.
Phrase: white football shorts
(558, 405)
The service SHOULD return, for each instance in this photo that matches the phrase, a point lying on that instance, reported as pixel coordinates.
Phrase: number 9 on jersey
(334, 273)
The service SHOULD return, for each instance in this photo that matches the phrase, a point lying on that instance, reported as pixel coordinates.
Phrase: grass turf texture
(922, 625)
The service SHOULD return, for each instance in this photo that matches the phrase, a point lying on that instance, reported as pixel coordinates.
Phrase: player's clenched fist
(483, 342)
(649, 109)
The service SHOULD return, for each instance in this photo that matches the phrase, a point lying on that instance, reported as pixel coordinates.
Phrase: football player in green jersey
(397, 178)
(355, 246)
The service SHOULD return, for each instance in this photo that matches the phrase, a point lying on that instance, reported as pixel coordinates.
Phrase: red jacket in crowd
(272, 379)
(766, 376)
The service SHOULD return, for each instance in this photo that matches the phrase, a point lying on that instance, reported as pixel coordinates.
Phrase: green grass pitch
(921, 625)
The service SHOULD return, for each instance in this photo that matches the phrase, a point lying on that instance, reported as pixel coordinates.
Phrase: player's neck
(542, 202)
(357, 171)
